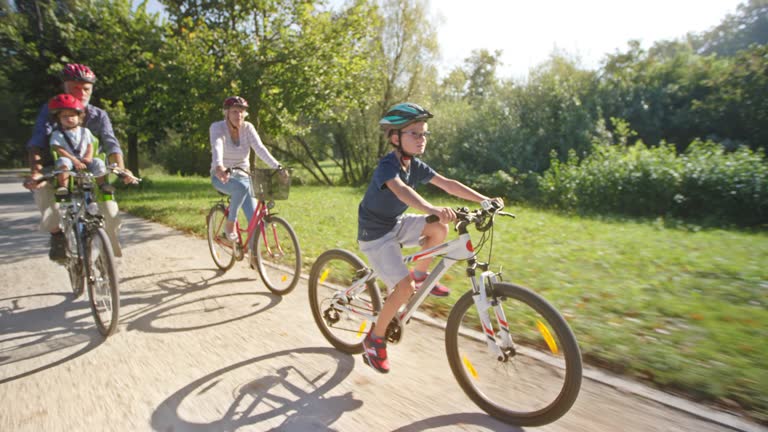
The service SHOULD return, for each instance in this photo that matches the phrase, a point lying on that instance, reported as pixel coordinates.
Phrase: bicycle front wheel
(218, 243)
(277, 255)
(537, 378)
(102, 282)
(343, 315)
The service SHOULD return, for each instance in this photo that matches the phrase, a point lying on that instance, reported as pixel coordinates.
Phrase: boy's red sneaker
(439, 290)
(375, 354)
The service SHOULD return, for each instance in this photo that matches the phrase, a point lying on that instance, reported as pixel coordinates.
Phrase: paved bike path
(201, 350)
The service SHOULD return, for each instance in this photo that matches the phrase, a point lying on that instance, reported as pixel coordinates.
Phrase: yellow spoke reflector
(363, 325)
(469, 366)
(324, 275)
(284, 278)
(547, 337)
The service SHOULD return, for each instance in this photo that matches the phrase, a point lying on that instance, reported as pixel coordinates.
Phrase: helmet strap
(404, 156)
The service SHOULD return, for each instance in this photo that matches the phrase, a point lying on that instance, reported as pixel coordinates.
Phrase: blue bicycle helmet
(403, 114)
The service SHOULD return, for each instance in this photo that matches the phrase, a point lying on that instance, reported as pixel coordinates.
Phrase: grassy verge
(685, 309)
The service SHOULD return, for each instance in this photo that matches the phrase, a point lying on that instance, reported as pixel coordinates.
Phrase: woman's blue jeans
(239, 190)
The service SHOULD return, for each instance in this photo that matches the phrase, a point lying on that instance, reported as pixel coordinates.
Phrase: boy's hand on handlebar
(446, 214)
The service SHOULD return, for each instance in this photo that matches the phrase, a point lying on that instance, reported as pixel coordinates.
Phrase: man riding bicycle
(78, 81)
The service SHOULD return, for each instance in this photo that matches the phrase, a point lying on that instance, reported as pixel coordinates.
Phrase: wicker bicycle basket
(269, 184)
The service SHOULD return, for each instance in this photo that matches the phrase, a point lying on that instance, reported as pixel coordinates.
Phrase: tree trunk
(133, 153)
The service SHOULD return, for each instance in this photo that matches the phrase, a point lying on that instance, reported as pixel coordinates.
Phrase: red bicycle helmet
(65, 101)
(78, 72)
(235, 101)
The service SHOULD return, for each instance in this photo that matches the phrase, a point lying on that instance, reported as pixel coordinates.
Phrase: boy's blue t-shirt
(379, 210)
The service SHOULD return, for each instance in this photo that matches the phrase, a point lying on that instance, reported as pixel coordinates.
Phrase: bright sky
(527, 31)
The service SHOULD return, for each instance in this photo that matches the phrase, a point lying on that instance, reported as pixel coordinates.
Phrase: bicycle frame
(260, 214)
(450, 252)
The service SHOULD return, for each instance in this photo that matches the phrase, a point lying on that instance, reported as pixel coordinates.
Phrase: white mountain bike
(511, 351)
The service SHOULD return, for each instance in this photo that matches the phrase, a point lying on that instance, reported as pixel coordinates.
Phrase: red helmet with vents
(65, 101)
(235, 101)
(78, 72)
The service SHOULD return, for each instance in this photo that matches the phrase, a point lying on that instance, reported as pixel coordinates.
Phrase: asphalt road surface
(201, 350)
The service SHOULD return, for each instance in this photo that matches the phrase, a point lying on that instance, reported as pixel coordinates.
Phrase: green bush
(704, 183)
(513, 187)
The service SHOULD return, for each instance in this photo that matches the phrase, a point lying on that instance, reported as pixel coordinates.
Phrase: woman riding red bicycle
(231, 142)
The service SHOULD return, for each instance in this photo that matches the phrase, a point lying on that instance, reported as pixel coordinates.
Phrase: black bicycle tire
(257, 244)
(77, 277)
(572, 355)
(114, 289)
(317, 314)
(214, 209)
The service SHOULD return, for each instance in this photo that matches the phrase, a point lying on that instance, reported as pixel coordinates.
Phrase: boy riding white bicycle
(383, 227)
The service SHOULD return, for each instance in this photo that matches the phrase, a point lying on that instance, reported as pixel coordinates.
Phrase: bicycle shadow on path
(34, 339)
(459, 419)
(292, 383)
(187, 300)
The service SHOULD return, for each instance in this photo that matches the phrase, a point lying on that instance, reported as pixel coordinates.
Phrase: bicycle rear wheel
(218, 243)
(343, 318)
(536, 381)
(102, 282)
(277, 255)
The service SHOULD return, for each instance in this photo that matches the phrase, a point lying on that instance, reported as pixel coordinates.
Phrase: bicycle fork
(483, 303)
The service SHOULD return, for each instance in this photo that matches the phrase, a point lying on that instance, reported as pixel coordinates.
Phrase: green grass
(685, 309)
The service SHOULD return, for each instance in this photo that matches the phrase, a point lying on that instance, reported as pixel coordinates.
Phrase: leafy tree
(736, 32)
(293, 61)
(402, 53)
(558, 110)
(736, 106)
(42, 36)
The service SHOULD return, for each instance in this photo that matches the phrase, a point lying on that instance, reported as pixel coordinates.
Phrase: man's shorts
(385, 255)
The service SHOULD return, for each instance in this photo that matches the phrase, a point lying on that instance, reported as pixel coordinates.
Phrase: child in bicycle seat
(383, 227)
(231, 142)
(73, 144)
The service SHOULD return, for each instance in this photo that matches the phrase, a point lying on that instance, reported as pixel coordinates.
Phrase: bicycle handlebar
(246, 172)
(482, 218)
(120, 172)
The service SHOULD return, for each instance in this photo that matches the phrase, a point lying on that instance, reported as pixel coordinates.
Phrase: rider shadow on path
(297, 389)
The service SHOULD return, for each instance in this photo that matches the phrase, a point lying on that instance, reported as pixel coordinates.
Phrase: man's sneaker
(439, 290)
(58, 252)
(375, 354)
(62, 192)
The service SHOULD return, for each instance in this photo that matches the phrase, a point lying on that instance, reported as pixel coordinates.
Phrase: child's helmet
(403, 114)
(235, 101)
(78, 72)
(65, 101)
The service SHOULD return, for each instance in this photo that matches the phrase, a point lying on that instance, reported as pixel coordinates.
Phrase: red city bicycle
(270, 245)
